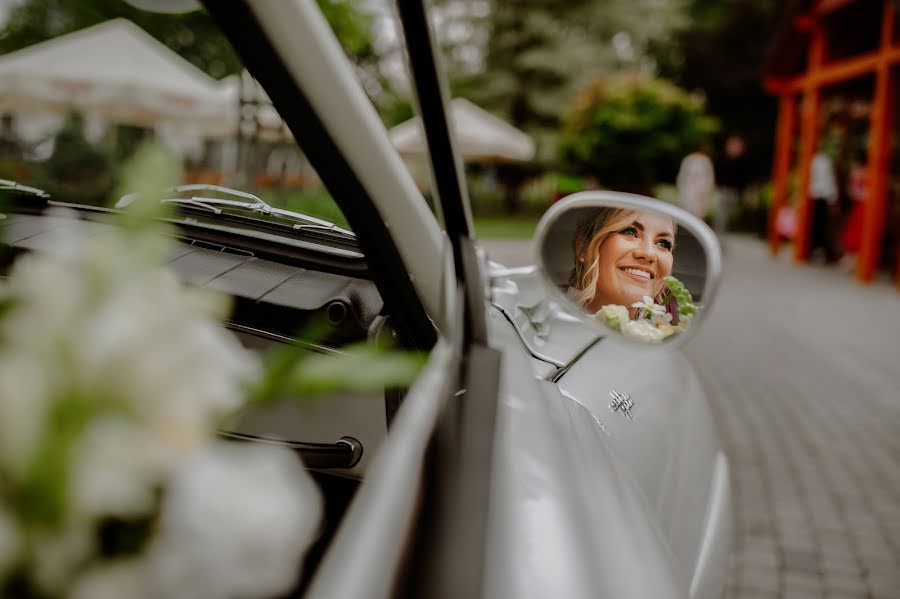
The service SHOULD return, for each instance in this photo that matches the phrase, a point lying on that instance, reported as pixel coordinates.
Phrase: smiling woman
(633, 264)
(621, 257)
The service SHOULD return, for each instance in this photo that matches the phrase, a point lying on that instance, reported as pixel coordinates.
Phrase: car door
(668, 443)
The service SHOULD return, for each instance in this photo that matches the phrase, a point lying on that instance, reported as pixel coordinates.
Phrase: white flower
(177, 367)
(116, 470)
(650, 306)
(140, 372)
(235, 522)
(147, 358)
(613, 316)
(25, 398)
(658, 318)
(643, 330)
(59, 553)
(48, 297)
(123, 579)
(647, 304)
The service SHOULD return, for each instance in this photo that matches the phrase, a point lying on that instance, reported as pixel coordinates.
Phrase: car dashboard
(277, 299)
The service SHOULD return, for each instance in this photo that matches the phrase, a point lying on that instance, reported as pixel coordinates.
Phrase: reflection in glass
(622, 273)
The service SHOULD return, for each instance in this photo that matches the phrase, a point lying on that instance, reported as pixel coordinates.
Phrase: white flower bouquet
(654, 321)
(114, 379)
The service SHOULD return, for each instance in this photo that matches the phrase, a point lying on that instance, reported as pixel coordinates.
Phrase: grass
(312, 202)
(500, 227)
(317, 202)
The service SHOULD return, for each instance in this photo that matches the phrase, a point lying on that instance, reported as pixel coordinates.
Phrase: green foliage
(363, 367)
(77, 170)
(313, 200)
(540, 52)
(352, 26)
(194, 35)
(504, 228)
(40, 498)
(686, 307)
(395, 109)
(631, 131)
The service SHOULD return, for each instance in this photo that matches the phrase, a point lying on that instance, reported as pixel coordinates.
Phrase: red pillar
(781, 169)
(809, 141)
(880, 129)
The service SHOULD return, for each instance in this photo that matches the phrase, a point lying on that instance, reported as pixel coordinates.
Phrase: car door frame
(429, 482)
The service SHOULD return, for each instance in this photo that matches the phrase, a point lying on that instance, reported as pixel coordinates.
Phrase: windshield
(85, 84)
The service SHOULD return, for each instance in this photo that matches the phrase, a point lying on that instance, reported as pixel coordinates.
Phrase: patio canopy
(117, 72)
(479, 135)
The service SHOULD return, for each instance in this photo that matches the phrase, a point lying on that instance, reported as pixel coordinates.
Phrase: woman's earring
(581, 259)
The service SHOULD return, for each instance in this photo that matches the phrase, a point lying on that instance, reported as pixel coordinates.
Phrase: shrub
(632, 131)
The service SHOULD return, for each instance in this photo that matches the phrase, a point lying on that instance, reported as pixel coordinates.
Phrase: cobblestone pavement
(802, 368)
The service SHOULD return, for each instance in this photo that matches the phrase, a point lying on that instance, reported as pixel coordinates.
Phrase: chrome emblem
(621, 402)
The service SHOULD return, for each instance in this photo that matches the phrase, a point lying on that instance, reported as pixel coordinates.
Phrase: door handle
(343, 453)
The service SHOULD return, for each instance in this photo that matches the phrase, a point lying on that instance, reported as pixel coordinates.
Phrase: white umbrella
(118, 72)
(479, 135)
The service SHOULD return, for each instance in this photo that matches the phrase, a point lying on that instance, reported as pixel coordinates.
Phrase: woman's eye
(665, 243)
(629, 231)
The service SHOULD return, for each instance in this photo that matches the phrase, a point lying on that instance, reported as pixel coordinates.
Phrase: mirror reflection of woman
(621, 256)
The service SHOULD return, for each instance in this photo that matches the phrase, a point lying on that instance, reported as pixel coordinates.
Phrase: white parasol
(117, 72)
(479, 135)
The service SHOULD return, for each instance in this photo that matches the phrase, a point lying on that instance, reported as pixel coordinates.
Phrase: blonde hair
(590, 234)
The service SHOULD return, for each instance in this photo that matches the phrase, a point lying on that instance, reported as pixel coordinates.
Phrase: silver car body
(667, 459)
(583, 501)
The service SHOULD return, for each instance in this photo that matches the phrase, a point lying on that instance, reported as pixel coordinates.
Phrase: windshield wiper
(7, 185)
(247, 203)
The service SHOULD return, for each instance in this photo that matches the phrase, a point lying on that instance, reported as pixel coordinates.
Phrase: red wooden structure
(801, 84)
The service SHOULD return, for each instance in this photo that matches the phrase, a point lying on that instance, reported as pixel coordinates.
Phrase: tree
(77, 170)
(539, 52)
(192, 35)
(631, 131)
(722, 55)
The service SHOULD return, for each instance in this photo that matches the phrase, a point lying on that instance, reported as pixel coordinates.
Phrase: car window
(91, 82)
(94, 81)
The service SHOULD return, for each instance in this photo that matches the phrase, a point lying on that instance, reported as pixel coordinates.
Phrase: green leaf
(363, 368)
(303, 373)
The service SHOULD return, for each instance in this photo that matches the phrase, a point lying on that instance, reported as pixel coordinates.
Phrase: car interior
(276, 293)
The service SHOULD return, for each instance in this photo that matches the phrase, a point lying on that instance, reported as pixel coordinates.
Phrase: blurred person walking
(731, 172)
(696, 183)
(857, 188)
(823, 189)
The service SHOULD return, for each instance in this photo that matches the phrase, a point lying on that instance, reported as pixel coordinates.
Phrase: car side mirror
(639, 267)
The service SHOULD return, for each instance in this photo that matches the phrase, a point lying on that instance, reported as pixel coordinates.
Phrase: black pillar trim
(450, 189)
(429, 89)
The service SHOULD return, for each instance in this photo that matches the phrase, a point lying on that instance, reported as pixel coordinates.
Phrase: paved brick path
(802, 367)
